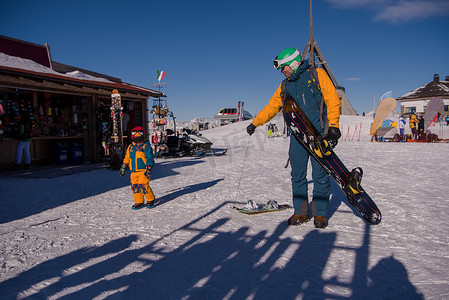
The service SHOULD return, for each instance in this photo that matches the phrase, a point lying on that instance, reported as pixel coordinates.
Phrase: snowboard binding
(321, 147)
(353, 187)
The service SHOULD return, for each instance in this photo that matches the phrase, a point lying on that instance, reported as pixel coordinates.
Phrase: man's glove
(122, 169)
(332, 136)
(148, 171)
(250, 129)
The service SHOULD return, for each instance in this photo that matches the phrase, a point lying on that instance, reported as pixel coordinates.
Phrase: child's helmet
(138, 134)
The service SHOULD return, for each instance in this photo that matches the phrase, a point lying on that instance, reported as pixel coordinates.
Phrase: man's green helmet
(290, 57)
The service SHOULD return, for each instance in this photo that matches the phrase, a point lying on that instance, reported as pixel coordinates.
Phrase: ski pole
(288, 161)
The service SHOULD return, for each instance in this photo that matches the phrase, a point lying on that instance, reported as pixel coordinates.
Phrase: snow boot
(298, 220)
(150, 204)
(138, 206)
(320, 222)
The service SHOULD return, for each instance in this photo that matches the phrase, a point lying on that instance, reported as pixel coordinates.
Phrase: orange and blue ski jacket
(139, 156)
(308, 97)
(413, 121)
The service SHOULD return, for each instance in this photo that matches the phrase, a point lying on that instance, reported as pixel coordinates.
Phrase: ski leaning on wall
(117, 116)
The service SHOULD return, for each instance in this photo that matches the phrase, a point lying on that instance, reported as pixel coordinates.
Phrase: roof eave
(122, 87)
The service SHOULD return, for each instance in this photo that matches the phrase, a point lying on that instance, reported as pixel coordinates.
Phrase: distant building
(230, 115)
(346, 107)
(416, 100)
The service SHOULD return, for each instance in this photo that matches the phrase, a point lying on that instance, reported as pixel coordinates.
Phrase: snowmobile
(189, 143)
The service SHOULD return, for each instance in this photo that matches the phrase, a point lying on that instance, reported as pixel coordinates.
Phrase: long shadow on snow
(173, 194)
(215, 264)
(339, 197)
(23, 197)
(165, 168)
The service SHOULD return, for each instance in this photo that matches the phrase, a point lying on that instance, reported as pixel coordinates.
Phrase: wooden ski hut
(69, 106)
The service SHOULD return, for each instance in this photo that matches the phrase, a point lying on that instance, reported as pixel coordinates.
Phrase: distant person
(447, 120)
(270, 131)
(140, 160)
(24, 139)
(413, 126)
(402, 127)
(374, 137)
(308, 96)
(421, 128)
(275, 130)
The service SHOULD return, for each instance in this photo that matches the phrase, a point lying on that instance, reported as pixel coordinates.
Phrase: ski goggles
(135, 132)
(279, 62)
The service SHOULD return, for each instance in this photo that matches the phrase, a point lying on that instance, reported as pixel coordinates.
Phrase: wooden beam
(44, 84)
(315, 52)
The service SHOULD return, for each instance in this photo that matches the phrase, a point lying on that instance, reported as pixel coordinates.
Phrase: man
(421, 128)
(24, 138)
(413, 125)
(299, 84)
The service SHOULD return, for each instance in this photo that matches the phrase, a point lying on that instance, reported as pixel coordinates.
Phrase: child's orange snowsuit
(138, 157)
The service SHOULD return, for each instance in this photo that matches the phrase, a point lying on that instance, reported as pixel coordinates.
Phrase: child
(139, 159)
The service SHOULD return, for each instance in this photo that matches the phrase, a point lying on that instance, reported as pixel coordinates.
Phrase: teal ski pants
(299, 158)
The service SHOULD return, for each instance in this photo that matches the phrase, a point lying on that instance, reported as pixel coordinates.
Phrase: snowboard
(117, 117)
(349, 181)
(252, 209)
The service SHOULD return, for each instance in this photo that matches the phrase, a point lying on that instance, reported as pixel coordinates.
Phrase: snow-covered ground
(76, 237)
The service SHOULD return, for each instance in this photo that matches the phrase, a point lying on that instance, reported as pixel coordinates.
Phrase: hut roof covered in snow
(435, 88)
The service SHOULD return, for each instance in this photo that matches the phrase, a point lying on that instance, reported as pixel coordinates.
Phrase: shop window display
(58, 122)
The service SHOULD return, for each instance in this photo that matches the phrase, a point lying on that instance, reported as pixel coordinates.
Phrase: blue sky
(216, 53)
